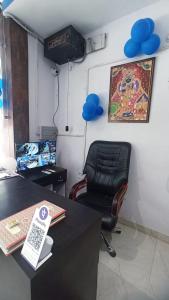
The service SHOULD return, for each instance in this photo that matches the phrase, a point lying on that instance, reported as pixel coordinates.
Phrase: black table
(56, 177)
(71, 273)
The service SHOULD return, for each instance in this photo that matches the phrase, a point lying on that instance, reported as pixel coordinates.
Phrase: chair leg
(109, 248)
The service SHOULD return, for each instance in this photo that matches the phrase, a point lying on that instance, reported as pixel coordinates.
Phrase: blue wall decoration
(131, 48)
(150, 24)
(91, 108)
(142, 40)
(151, 45)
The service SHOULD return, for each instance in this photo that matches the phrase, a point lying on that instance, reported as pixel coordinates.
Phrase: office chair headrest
(107, 166)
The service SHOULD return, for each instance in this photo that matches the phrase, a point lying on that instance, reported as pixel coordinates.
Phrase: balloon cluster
(91, 108)
(143, 40)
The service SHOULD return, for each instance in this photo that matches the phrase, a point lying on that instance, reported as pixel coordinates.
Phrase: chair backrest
(107, 166)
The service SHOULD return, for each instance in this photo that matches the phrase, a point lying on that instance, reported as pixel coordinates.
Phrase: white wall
(147, 199)
(42, 92)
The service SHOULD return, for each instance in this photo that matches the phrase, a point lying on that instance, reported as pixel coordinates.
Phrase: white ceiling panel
(47, 17)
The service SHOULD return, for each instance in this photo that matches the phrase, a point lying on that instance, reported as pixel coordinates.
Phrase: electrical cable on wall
(57, 103)
(83, 58)
(80, 61)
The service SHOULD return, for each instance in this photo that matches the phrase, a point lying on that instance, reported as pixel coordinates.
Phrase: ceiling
(47, 17)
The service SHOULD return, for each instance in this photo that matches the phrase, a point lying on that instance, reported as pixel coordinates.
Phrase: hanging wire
(57, 103)
(83, 58)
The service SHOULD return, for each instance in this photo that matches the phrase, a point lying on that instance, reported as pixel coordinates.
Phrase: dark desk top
(17, 194)
(38, 173)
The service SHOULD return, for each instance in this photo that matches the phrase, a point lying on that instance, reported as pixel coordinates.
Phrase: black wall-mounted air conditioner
(65, 45)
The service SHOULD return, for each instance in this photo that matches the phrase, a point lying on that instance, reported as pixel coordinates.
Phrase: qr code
(35, 237)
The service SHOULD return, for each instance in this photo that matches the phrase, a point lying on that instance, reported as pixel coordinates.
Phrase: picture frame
(130, 91)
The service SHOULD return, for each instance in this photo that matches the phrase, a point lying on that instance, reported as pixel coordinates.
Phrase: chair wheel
(112, 252)
(118, 231)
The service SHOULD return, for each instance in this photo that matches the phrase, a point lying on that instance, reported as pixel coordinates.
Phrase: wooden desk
(71, 273)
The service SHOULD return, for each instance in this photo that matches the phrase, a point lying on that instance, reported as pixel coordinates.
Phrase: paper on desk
(3, 175)
(7, 174)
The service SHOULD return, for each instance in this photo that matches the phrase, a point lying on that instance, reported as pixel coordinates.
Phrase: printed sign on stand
(36, 236)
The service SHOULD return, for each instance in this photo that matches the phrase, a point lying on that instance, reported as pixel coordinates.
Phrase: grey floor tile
(139, 272)
(163, 249)
(133, 293)
(159, 279)
(110, 285)
(111, 263)
(135, 252)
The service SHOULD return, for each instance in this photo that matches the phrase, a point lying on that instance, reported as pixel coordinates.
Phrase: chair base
(110, 250)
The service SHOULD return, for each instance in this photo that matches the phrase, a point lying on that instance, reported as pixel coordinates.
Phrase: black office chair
(106, 169)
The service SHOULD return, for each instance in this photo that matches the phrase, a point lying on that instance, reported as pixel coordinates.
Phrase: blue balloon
(131, 48)
(93, 98)
(151, 45)
(141, 30)
(151, 25)
(89, 108)
(86, 117)
(99, 111)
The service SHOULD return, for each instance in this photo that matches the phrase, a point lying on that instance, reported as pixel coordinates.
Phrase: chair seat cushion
(102, 204)
(96, 200)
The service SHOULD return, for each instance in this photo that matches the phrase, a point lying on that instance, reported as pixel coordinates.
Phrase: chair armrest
(118, 199)
(76, 188)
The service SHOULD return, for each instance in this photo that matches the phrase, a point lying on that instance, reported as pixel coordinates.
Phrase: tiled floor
(140, 270)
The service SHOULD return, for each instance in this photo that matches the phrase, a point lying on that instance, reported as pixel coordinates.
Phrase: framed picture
(130, 91)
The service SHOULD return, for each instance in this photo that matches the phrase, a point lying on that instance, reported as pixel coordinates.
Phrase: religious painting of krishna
(130, 91)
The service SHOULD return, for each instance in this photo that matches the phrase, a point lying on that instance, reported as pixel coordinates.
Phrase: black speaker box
(65, 45)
